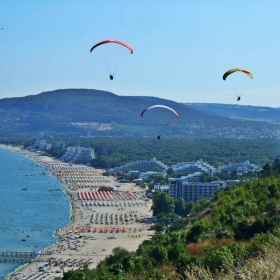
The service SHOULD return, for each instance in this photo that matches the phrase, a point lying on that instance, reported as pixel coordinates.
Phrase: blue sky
(181, 48)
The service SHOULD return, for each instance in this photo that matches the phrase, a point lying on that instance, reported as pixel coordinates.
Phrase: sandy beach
(102, 219)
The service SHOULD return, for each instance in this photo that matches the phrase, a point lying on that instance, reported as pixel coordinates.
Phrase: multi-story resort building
(78, 155)
(144, 175)
(195, 177)
(140, 165)
(193, 191)
(198, 166)
(40, 145)
(241, 168)
(149, 174)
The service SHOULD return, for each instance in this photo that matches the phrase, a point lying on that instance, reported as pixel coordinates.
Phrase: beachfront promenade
(17, 256)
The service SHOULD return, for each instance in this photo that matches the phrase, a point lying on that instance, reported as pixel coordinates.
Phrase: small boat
(24, 189)
(23, 240)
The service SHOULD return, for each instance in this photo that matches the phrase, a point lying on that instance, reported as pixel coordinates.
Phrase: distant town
(189, 185)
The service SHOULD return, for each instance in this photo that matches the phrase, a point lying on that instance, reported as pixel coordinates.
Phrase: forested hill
(238, 111)
(232, 235)
(76, 112)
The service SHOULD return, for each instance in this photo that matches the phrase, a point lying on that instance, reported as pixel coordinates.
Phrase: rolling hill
(88, 112)
(239, 111)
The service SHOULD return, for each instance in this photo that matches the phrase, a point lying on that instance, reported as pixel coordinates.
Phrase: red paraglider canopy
(113, 41)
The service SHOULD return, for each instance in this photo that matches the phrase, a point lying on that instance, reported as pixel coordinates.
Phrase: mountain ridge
(240, 111)
(89, 112)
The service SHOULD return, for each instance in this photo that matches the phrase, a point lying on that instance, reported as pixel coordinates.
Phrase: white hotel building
(139, 165)
(78, 155)
(241, 168)
(191, 167)
(193, 191)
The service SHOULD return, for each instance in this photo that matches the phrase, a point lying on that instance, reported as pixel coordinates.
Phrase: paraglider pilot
(111, 77)
(238, 98)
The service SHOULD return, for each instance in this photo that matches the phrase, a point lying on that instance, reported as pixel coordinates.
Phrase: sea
(33, 205)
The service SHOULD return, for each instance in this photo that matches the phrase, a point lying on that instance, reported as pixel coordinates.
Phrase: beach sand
(79, 243)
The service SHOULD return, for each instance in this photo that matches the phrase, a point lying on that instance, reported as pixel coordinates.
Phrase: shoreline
(87, 238)
(33, 156)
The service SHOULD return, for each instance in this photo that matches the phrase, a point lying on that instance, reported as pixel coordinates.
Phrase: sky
(182, 48)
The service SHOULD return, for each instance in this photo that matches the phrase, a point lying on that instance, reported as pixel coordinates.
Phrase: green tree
(128, 263)
(195, 232)
(168, 219)
(138, 268)
(276, 167)
(116, 268)
(162, 203)
(159, 227)
(74, 275)
(266, 172)
(159, 255)
(183, 262)
(178, 225)
(176, 250)
(169, 171)
(233, 174)
(217, 258)
(180, 206)
(118, 254)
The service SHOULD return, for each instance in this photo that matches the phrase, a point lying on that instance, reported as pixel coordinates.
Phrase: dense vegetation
(111, 152)
(218, 237)
(114, 151)
(76, 112)
(239, 111)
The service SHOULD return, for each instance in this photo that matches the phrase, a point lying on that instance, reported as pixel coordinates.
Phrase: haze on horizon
(181, 48)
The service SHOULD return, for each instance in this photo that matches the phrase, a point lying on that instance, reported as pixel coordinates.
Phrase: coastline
(87, 239)
(36, 158)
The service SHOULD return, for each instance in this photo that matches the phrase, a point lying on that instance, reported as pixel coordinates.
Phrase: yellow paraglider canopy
(237, 69)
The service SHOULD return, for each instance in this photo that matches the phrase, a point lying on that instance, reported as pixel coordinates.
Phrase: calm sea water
(33, 214)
